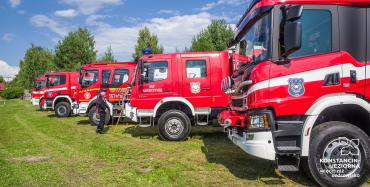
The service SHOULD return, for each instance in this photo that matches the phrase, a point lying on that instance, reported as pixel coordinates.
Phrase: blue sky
(113, 22)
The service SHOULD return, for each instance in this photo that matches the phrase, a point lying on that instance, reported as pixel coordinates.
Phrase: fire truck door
(156, 83)
(196, 86)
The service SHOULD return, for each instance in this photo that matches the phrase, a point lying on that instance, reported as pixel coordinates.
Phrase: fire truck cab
(304, 99)
(38, 91)
(112, 76)
(61, 89)
(177, 90)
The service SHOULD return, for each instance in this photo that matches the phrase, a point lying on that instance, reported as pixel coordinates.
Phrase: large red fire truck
(114, 77)
(303, 100)
(175, 91)
(61, 91)
(38, 90)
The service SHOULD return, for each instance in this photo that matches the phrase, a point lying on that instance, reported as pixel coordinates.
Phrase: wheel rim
(174, 127)
(96, 117)
(62, 110)
(342, 157)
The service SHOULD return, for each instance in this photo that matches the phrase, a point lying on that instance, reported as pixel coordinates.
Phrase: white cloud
(174, 32)
(8, 37)
(172, 12)
(69, 13)
(212, 5)
(93, 21)
(22, 12)
(91, 6)
(14, 3)
(8, 71)
(44, 21)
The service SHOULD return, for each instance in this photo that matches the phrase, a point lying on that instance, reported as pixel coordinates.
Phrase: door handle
(142, 96)
(332, 79)
(353, 76)
(205, 88)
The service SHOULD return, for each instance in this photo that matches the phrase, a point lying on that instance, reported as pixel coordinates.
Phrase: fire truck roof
(183, 54)
(261, 3)
(102, 64)
(59, 73)
(41, 78)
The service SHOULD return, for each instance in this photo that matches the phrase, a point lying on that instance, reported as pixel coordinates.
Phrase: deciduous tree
(146, 40)
(75, 50)
(214, 38)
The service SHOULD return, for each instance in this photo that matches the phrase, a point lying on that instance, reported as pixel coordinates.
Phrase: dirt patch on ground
(32, 158)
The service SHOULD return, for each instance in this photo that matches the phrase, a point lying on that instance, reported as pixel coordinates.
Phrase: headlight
(259, 121)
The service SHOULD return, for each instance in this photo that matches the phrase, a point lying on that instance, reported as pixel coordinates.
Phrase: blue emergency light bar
(147, 51)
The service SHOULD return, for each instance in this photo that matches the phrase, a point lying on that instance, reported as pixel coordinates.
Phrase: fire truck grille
(237, 102)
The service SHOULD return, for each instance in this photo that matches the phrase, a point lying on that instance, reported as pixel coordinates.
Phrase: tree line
(78, 48)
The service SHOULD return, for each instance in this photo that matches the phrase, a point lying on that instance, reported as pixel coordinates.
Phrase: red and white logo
(87, 95)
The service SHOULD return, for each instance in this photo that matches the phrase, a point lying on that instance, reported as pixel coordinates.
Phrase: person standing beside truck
(101, 104)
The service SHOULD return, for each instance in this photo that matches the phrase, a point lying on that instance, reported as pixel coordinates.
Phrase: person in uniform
(102, 108)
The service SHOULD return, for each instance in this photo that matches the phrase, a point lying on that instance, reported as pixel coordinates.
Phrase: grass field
(38, 149)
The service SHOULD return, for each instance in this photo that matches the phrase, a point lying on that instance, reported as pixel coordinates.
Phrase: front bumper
(258, 144)
(35, 101)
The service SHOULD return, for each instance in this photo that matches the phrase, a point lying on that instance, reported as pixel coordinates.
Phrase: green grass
(72, 154)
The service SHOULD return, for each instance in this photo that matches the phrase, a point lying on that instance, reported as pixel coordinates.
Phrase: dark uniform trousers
(102, 106)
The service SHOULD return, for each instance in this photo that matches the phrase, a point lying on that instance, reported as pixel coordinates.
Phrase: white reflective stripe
(320, 105)
(73, 87)
(312, 76)
(41, 92)
(56, 89)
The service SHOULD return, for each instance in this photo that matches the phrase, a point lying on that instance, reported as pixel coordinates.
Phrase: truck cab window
(90, 77)
(56, 80)
(155, 71)
(120, 76)
(196, 69)
(105, 76)
(316, 33)
(40, 85)
(257, 41)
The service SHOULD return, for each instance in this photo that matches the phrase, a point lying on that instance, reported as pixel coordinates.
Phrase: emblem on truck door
(296, 87)
(195, 87)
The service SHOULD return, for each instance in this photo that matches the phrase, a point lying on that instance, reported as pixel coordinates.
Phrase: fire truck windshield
(256, 43)
(40, 84)
(89, 77)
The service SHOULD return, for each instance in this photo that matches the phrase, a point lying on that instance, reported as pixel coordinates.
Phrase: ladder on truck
(121, 108)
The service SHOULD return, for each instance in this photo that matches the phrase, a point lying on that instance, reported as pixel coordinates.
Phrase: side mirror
(290, 31)
(292, 38)
(142, 79)
(294, 13)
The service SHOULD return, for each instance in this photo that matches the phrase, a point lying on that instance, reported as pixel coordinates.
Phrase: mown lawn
(38, 149)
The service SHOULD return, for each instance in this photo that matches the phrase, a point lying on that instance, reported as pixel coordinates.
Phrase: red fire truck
(38, 91)
(114, 77)
(303, 100)
(175, 91)
(61, 91)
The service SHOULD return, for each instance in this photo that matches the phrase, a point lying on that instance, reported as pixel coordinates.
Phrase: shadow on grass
(85, 122)
(219, 149)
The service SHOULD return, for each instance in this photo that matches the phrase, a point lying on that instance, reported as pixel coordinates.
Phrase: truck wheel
(62, 109)
(174, 125)
(339, 155)
(94, 117)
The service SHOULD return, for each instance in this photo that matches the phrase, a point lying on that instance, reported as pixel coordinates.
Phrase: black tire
(94, 118)
(328, 140)
(62, 109)
(174, 125)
